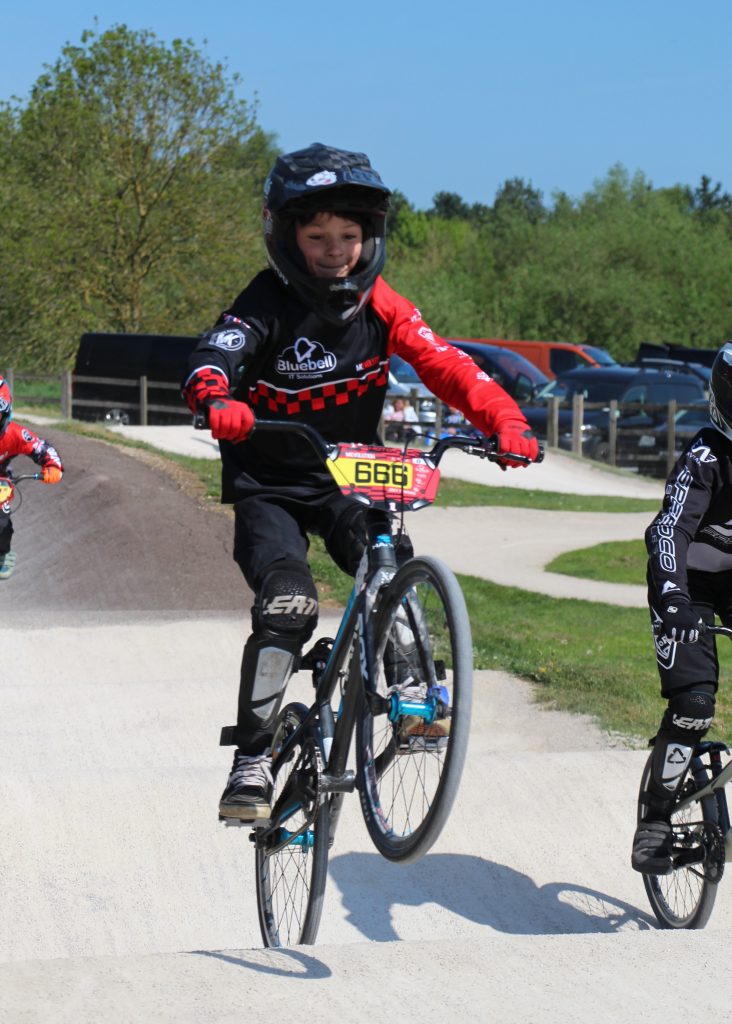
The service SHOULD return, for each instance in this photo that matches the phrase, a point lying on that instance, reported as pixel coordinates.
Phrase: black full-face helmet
(720, 391)
(320, 178)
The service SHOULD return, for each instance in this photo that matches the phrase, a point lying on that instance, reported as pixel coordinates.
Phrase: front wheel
(685, 897)
(292, 855)
(412, 733)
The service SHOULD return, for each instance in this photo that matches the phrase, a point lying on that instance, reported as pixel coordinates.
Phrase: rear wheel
(685, 897)
(411, 750)
(292, 858)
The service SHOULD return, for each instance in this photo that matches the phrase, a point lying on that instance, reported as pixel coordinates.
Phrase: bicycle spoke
(410, 773)
(291, 879)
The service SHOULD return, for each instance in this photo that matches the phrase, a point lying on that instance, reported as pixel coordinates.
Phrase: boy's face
(330, 244)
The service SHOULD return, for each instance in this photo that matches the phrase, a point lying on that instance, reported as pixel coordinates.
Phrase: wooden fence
(140, 406)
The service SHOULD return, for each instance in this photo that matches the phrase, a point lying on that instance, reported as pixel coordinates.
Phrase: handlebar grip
(200, 420)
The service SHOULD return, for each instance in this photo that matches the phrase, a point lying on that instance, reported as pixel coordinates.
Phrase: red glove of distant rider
(516, 437)
(51, 474)
(229, 420)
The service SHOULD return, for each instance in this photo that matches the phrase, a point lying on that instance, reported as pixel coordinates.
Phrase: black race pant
(271, 537)
(6, 532)
(681, 666)
(269, 528)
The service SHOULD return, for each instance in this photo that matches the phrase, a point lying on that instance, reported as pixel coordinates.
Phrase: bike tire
(685, 897)
(291, 880)
(406, 797)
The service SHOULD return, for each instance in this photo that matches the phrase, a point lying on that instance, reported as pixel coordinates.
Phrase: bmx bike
(702, 836)
(397, 676)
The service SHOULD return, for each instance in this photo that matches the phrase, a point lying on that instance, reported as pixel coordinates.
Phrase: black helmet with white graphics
(321, 178)
(720, 391)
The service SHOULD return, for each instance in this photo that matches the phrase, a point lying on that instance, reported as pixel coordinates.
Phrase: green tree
(143, 167)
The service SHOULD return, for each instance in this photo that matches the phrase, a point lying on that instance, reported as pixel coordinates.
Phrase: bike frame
(378, 566)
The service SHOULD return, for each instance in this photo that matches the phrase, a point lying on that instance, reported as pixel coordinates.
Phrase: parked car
(516, 375)
(649, 389)
(647, 447)
(704, 373)
(552, 357)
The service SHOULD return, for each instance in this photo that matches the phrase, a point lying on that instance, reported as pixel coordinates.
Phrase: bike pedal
(243, 823)
(413, 744)
(318, 653)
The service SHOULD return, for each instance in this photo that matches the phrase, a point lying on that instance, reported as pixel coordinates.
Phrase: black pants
(683, 665)
(269, 528)
(271, 535)
(6, 531)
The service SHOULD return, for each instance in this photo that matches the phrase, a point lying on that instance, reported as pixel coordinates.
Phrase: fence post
(143, 400)
(578, 415)
(9, 378)
(671, 431)
(67, 394)
(552, 422)
(612, 432)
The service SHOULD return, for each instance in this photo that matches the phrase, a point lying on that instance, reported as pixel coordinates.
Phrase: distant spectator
(396, 416)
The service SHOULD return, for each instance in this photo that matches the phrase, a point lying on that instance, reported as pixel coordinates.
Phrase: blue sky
(444, 97)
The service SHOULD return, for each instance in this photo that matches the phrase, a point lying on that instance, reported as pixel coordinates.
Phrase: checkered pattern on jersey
(340, 392)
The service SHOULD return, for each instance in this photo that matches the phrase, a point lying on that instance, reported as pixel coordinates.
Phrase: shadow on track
(478, 890)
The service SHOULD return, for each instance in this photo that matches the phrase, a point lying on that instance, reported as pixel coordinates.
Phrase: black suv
(516, 375)
(650, 389)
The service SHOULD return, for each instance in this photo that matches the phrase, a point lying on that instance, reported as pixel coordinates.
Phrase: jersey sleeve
(224, 353)
(689, 490)
(23, 441)
(449, 373)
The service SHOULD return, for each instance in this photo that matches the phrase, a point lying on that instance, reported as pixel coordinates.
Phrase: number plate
(385, 477)
(647, 441)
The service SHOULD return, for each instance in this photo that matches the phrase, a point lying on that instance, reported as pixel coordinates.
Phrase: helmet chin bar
(718, 422)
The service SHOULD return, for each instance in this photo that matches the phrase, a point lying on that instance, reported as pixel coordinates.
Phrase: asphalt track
(125, 900)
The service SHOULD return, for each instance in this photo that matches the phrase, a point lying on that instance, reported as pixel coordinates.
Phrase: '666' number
(383, 474)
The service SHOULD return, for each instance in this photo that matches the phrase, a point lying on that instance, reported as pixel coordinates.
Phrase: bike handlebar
(704, 627)
(486, 448)
(716, 630)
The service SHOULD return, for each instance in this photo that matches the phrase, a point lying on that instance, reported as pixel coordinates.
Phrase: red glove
(229, 420)
(51, 474)
(515, 436)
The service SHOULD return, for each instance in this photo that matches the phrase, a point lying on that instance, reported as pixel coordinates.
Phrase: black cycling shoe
(249, 790)
(652, 848)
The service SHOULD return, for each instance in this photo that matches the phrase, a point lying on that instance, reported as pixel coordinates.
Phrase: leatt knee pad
(284, 616)
(686, 720)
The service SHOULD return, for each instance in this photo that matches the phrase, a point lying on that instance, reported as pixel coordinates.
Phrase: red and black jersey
(19, 440)
(270, 351)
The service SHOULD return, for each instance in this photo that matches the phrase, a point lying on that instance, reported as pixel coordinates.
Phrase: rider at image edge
(689, 580)
(309, 339)
(18, 440)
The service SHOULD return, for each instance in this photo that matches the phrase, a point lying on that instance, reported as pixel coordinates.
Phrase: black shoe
(652, 848)
(249, 789)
